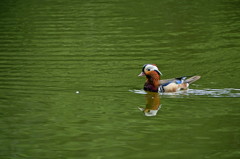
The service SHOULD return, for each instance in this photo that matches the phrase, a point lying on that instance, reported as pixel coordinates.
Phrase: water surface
(69, 85)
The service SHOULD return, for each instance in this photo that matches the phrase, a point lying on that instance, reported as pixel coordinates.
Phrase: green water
(69, 86)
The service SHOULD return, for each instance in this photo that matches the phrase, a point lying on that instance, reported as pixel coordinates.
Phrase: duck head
(149, 67)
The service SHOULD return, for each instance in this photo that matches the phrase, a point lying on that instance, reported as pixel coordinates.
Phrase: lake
(69, 86)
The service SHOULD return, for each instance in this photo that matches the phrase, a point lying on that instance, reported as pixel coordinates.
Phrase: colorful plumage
(155, 84)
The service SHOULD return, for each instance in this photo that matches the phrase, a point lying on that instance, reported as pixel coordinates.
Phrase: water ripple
(226, 92)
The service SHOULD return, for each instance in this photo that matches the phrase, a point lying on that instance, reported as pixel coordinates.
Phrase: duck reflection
(152, 104)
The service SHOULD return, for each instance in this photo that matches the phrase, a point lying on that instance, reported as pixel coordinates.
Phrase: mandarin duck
(155, 84)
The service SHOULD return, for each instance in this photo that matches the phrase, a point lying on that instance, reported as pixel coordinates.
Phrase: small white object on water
(77, 92)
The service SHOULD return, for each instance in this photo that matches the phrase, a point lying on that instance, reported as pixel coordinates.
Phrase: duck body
(155, 84)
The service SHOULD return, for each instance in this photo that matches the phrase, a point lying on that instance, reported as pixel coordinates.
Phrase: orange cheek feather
(154, 78)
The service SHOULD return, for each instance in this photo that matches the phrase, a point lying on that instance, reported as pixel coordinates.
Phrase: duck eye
(148, 69)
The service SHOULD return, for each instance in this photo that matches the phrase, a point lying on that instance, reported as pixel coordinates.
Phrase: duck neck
(153, 78)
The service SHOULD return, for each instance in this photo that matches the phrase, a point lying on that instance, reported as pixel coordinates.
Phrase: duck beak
(141, 74)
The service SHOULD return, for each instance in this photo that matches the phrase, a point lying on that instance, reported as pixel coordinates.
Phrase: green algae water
(69, 87)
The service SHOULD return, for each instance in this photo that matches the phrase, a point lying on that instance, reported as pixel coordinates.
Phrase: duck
(155, 84)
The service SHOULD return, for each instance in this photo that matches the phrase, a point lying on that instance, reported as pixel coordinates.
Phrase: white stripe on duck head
(149, 67)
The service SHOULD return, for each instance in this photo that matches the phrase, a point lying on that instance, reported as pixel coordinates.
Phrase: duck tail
(192, 79)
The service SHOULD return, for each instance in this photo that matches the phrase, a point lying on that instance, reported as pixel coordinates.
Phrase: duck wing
(165, 81)
(192, 79)
(179, 80)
